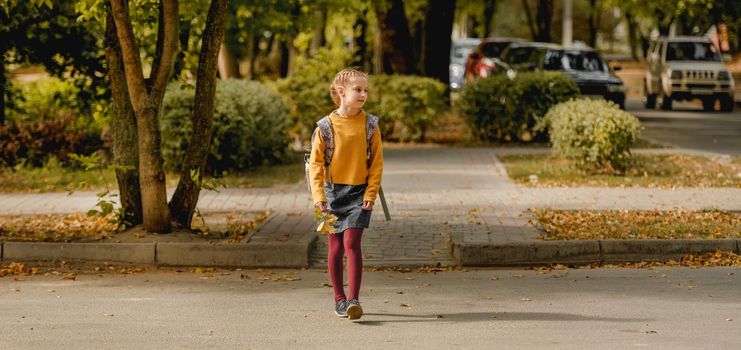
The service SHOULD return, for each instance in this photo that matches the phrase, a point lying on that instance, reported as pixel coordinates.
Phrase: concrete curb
(264, 254)
(654, 250)
(278, 254)
(297, 253)
(527, 253)
(135, 253)
(585, 252)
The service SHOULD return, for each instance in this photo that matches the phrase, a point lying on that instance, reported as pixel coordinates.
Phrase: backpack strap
(325, 127)
(371, 125)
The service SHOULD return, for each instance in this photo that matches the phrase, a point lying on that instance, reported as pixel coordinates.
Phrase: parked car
(584, 65)
(484, 60)
(686, 68)
(459, 51)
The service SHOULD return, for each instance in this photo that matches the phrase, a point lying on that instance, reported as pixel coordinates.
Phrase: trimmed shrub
(34, 142)
(597, 134)
(250, 126)
(412, 102)
(502, 109)
(306, 91)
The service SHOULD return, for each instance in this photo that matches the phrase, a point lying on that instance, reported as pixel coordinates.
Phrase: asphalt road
(663, 308)
(688, 126)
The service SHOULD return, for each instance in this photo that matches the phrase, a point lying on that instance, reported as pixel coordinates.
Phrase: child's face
(355, 92)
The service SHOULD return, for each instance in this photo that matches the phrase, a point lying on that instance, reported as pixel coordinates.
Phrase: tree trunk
(146, 98)
(228, 67)
(529, 16)
(395, 38)
(249, 68)
(285, 52)
(593, 23)
(490, 7)
(438, 28)
(185, 198)
(545, 19)
(318, 39)
(418, 45)
(3, 81)
(184, 39)
(360, 28)
(632, 39)
(125, 152)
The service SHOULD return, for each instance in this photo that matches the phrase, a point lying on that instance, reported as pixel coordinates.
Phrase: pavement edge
(585, 252)
(135, 253)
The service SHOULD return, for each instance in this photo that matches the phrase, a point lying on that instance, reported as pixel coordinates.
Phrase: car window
(519, 54)
(493, 49)
(585, 61)
(461, 50)
(692, 51)
(553, 60)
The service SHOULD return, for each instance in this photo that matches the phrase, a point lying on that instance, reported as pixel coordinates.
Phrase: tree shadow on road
(378, 319)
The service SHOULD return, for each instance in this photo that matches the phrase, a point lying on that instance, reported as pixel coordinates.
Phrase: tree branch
(529, 18)
(157, 61)
(130, 53)
(171, 23)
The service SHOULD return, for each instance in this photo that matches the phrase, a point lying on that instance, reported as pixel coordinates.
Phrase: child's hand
(368, 205)
(321, 206)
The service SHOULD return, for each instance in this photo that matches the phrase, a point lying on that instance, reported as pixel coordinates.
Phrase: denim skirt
(345, 202)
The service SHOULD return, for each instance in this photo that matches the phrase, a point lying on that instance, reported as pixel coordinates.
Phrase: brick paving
(435, 194)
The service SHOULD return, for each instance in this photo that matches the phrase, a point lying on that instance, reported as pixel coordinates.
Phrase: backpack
(325, 127)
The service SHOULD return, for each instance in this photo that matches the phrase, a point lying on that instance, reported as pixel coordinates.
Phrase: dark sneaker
(340, 308)
(354, 311)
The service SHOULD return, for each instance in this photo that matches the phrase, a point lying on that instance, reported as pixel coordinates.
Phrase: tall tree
(490, 7)
(125, 151)
(185, 198)
(395, 37)
(146, 97)
(595, 11)
(438, 29)
(540, 27)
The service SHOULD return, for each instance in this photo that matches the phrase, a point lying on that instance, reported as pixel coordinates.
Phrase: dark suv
(584, 65)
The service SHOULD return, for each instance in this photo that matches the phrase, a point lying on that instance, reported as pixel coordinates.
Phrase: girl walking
(345, 171)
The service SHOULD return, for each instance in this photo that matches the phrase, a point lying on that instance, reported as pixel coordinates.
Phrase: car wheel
(708, 104)
(651, 101)
(726, 104)
(650, 98)
(666, 102)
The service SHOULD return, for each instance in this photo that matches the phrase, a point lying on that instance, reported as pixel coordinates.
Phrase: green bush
(33, 143)
(53, 98)
(412, 102)
(502, 109)
(307, 90)
(597, 134)
(250, 126)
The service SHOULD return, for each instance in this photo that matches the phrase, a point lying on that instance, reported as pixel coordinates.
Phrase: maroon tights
(347, 241)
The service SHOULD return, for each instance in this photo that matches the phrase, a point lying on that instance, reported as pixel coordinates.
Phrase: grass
(659, 171)
(638, 224)
(56, 178)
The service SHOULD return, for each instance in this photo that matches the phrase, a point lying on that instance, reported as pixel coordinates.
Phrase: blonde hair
(341, 78)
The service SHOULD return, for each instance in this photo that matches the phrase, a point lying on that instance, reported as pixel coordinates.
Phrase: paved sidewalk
(437, 196)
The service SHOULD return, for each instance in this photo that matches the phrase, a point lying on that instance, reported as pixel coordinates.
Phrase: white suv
(685, 68)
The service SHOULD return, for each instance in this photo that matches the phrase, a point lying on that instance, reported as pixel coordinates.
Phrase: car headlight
(615, 88)
(676, 74)
(724, 75)
(456, 69)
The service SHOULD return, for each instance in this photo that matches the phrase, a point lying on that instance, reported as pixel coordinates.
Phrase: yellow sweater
(349, 162)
